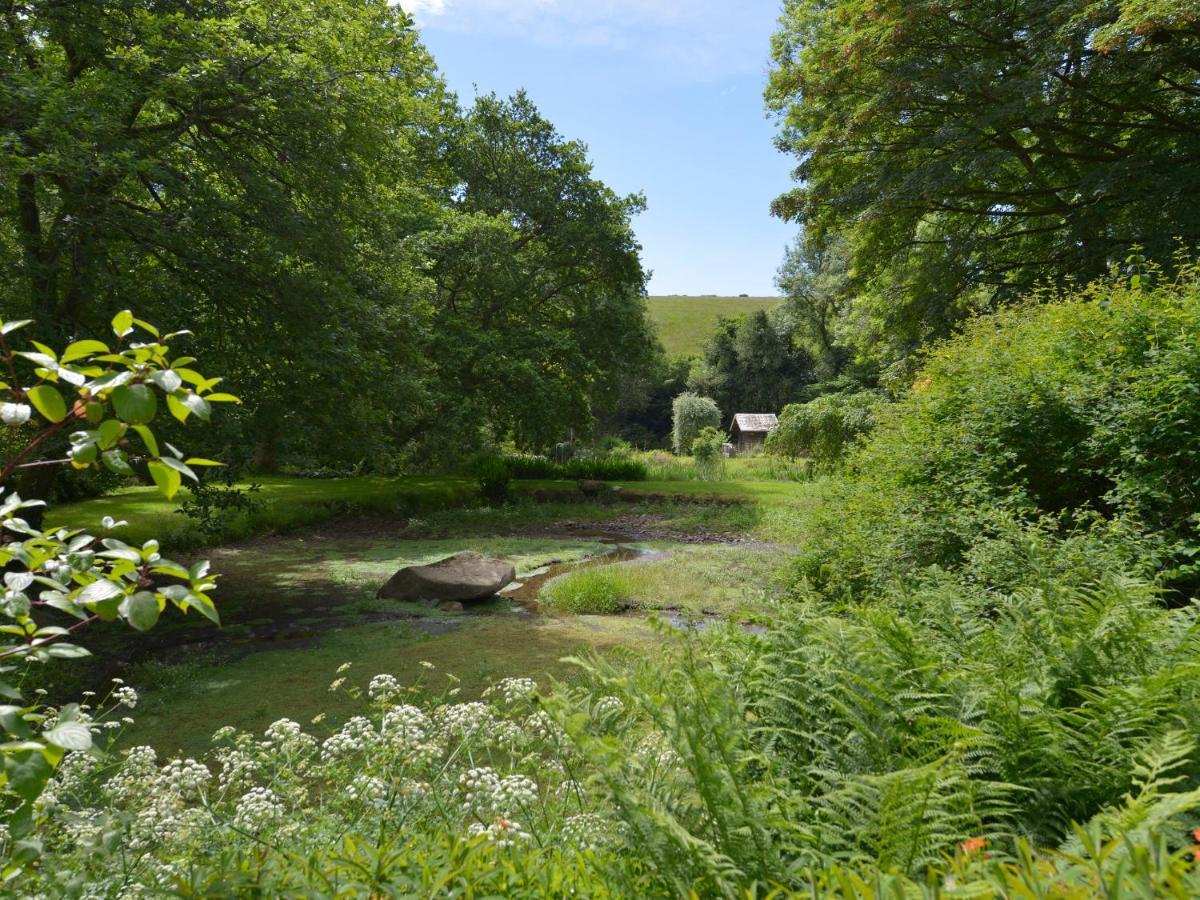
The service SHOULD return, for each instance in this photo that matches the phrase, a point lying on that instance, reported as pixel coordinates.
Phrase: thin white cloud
(423, 7)
(699, 38)
(422, 11)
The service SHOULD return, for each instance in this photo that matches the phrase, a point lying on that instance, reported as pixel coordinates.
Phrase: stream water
(273, 602)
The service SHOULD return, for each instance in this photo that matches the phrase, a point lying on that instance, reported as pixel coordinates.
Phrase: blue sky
(667, 94)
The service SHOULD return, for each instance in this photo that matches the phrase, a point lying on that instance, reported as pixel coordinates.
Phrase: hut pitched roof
(759, 423)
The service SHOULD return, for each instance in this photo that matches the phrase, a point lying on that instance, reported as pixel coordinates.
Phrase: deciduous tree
(969, 150)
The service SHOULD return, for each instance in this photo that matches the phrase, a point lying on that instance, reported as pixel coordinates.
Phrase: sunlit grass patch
(597, 590)
(685, 324)
(715, 580)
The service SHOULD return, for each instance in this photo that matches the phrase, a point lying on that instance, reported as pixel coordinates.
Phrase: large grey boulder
(461, 577)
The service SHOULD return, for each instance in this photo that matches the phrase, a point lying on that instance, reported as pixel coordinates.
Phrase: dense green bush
(217, 505)
(824, 429)
(1083, 408)
(707, 452)
(954, 708)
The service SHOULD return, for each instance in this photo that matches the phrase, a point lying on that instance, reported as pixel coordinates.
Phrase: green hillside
(684, 323)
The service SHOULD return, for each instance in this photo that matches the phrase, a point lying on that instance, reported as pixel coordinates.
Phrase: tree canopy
(538, 300)
(968, 151)
(752, 365)
(295, 177)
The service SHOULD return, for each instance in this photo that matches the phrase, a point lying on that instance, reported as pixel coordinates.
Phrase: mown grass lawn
(286, 502)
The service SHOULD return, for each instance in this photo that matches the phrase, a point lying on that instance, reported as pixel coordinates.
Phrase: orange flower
(973, 845)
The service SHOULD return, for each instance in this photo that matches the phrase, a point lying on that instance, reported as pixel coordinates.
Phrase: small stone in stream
(450, 606)
(462, 577)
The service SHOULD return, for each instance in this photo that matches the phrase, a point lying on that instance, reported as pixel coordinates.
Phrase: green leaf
(140, 610)
(135, 403)
(178, 410)
(26, 851)
(198, 405)
(27, 771)
(12, 720)
(80, 349)
(83, 455)
(71, 651)
(44, 350)
(122, 323)
(203, 605)
(119, 550)
(148, 439)
(114, 461)
(65, 605)
(167, 479)
(110, 432)
(48, 401)
(179, 467)
(221, 398)
(166, 567)
(7, 690)
(10, 327)
(98, 591)
(167, 381)
(197, 461)
(70, 736)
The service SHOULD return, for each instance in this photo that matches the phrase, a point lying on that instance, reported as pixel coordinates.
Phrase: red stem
(12, 465)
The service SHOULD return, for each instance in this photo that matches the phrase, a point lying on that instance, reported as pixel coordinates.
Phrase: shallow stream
(295, 608)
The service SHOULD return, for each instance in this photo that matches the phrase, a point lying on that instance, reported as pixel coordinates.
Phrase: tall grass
(596, 590)
(531, 466)
(663, 466)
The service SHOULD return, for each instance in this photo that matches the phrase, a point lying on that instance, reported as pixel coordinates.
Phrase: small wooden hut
(749, 431)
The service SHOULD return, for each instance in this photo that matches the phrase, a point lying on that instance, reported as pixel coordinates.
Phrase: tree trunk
(40, 259)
